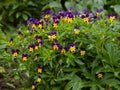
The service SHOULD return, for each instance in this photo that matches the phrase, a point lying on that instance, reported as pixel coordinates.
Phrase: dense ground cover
(68, 50)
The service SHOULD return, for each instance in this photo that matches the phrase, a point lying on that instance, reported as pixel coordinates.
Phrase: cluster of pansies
(57, 38)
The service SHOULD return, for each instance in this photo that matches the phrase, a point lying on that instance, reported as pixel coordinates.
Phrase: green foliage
(77, 53)
(14, 12)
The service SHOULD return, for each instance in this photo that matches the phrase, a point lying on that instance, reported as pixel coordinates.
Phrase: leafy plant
(66, 51)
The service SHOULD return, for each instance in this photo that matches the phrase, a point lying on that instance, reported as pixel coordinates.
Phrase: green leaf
(11, 85)
(2, 70)
(69, 85)
(93, 87)
(112, 82)
(116, 8)
(68, 4)
(54, 4)
(79, 62)
(31, 3)
(18, 15)
(25, 17)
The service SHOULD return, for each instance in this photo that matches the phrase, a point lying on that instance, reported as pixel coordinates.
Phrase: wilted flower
(55, 24)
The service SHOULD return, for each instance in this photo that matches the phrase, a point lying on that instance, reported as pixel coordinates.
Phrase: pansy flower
(24, 57)
(40, 25)
(82, 51)
(33, 26)
(112, 17)
(99, 11)
(11, 42)
(56, 45)
(39, 79)
(55, 24)
(76, 30)
(31, 47)
(5, 50)
(52, 36)
(72, 48)
(63, 50)
(38, 38)
(33, 86)
(19, 34)
(85, 18)
(40, 69)
(15, 52)
(36, 46)
(47, 14)
(41, 43)
(100, 75)
(70, 17)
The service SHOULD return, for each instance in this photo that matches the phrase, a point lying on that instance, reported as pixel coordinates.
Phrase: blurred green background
(14, 12)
